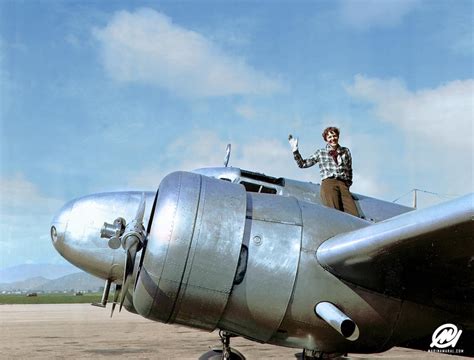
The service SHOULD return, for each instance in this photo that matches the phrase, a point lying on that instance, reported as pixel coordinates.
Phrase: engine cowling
(192, 252)
(220, 257)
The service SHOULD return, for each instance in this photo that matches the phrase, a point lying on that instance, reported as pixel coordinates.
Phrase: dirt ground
(81, 331)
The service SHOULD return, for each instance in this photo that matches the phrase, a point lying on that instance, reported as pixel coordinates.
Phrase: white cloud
(204, 148)
(199, 148)
(427, 131)
(25, 215)
(366, 14)
(274, 158)
(18, 194)
(431, 146)
(442, 115)
(147, 47)
(366, 183)
(378, 168)
(195, 149)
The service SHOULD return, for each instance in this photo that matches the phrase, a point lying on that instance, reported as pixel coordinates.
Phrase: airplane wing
(425, 256)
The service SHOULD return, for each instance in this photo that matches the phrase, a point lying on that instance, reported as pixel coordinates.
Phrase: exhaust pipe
(338, 320)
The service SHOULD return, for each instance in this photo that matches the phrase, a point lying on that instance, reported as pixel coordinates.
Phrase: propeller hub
(132, 237)
(113, 232)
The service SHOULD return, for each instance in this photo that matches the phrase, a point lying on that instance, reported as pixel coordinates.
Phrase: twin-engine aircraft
(260, 257)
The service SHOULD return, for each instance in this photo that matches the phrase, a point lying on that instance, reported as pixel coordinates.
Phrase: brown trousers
(335, 194)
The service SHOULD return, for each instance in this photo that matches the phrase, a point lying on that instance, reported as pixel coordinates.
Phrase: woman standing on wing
(335, 166)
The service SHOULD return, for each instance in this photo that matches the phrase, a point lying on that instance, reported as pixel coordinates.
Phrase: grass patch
(50, 299)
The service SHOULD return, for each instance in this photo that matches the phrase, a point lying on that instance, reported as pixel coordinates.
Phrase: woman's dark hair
(330, 129)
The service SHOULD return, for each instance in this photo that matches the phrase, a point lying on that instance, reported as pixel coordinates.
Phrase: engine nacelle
(220, 257)
(192, 253)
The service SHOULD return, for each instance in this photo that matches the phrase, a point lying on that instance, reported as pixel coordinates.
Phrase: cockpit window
(263, 178)
(252, 187)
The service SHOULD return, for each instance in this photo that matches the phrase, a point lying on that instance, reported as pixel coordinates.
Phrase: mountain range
(47, 278)
(28, 271)
(72, 283)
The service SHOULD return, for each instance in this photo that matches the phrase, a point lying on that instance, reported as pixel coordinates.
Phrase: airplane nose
(76, 231)
(59, 226)
(75, 234)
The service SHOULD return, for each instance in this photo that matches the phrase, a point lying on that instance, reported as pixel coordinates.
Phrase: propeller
(132, 241)
(118, 288)
(131, 236)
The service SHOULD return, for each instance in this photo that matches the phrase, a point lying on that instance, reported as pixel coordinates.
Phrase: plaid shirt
(327, 167)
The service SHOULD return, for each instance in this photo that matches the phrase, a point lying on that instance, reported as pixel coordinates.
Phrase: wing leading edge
(425, 256)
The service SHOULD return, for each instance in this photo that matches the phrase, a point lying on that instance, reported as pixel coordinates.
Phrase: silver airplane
(260, 257)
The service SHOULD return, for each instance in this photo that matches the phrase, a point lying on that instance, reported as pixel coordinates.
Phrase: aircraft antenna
(227, 155)
(415, 196)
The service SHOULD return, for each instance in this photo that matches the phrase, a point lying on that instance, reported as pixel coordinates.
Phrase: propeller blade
(131, 242)
(118, 289)
(129, 266)
(141, 210)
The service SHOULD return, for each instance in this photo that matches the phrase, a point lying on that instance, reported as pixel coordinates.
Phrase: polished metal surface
(193, 249)
(273, 237)
(365, 245)
(230, 173)
(76, 231)
(374, 314)
(371, 209)
(338, 320)
(260, 265)
(424, 256)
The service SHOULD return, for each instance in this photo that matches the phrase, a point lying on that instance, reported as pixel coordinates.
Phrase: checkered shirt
(327, 167)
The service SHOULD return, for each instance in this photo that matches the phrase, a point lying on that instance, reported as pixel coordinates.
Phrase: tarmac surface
(81, 331)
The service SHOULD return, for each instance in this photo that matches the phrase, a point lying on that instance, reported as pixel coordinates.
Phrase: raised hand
(293, 143)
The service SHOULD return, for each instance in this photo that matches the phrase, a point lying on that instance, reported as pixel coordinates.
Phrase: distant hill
(74, 282)
(28, 271)
(24, 284)
(77, 282)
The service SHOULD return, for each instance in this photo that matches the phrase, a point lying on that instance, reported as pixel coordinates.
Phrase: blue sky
(99, 96)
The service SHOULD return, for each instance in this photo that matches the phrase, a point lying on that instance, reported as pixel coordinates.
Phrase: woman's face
(332, 139)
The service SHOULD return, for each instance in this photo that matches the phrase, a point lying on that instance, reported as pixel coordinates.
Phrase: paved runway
(81, 331)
